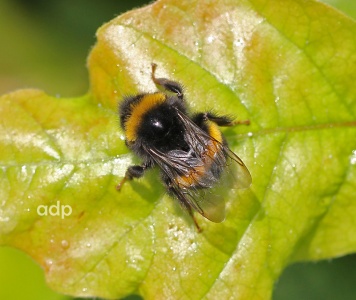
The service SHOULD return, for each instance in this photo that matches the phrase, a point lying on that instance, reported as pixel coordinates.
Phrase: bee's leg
(131, 173)
(190, 211)
(219, 120)
(166, 84)
(173, 191)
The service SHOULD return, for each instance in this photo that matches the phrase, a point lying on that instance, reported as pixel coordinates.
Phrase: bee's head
(151, 118)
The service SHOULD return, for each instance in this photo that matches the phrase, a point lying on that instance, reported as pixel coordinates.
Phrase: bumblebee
(196, 165)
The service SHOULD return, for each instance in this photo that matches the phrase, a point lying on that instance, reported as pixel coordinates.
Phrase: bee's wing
(210, 202)
(206, 194)
(209, 205)
(236, 168)
(197, 139)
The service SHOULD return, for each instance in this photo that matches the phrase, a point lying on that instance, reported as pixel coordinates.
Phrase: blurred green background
(44, 44)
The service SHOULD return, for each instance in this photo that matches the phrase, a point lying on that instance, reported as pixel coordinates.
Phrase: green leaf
(288, 66)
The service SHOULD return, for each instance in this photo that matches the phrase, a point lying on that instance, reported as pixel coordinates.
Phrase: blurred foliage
(18, 269)
(327, 280)
(45, 45)
(346, 6)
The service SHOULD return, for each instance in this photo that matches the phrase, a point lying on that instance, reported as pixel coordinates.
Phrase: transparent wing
(210, 202)
(202, 178)
(236, 169)
(200, 140)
